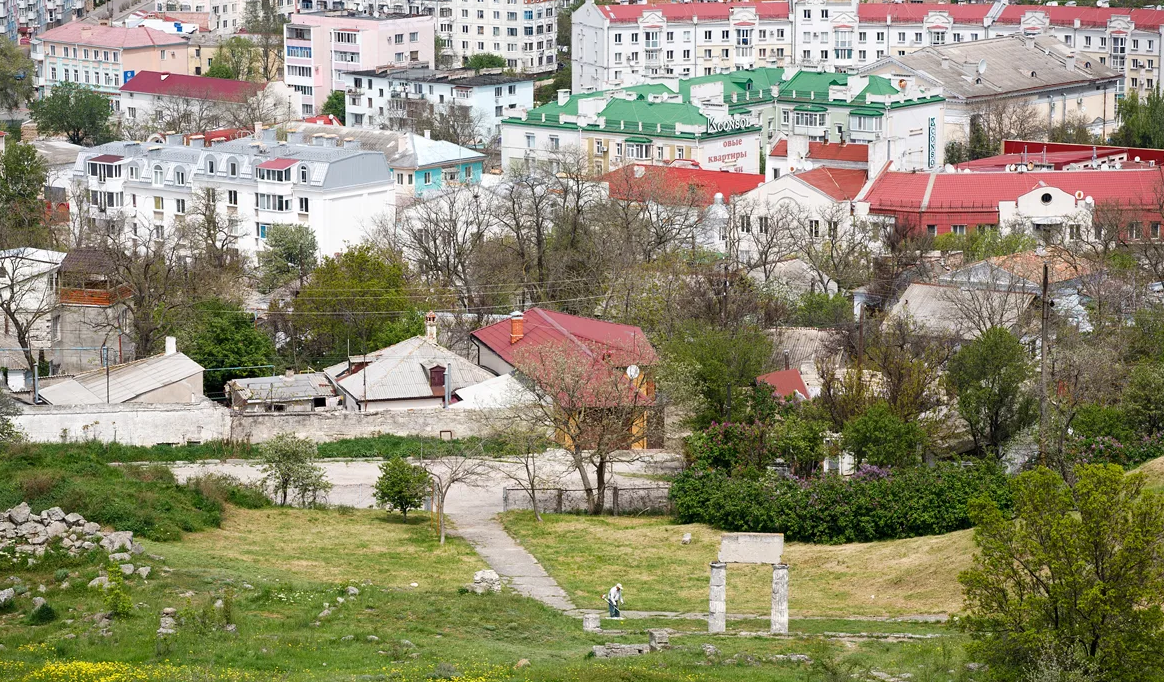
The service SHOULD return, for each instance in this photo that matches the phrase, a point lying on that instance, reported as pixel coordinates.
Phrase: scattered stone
(53, 514)
(245, 586)
(6, 596)
(339, 600)
(169, 611)
(352, 591)
(414, 584)
(120, 557)
(187, 594)
(231, 628)
(686, 539)
(64, 585)
(37, 602)
(157, 558)
(74, 519)
(611, 650)
(91, 528)
(144, 571)
(19, 514)
(347, 638)
(122, 539)
(710, 650)
(41, 588)
(324, 614)
(658, 640)
(100, 581)
(70, 636)
(407, 644)
(523, 663)
(484, 581)
(218, 604)
(372, 638)
(56, 529)
(126, 569)
(591, 622)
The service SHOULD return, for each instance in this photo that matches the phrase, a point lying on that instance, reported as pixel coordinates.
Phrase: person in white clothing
(614, 601)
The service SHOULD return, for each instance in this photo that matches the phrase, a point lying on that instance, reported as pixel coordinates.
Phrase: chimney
(516, 327)
(945, 62)
(428, 134)
(1070, 62)
(787, 359)
(289, 376)
(563, 97)
(430, 326)
(258, 130)
(171, 345)
(175, 139)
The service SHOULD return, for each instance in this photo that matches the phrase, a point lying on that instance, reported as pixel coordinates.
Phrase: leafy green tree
(1143, 399)
(290, 471)
(987, 376)
(17, 76)
(9, 431)
(1103, 421)
(336, 104)
(356, 302)
(22, 178)
(981, 244)
(219, 69)
(485, 60)
(221, 334)
(881, 438)
(1142, 120)
(1074, 576)
(291, 252)
(724, 364)
(236, 54)
(957, 152)
(73, 110)
(401, 486)
(818, 309)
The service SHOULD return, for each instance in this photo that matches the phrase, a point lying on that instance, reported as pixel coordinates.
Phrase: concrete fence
(619, 500)
(149, 424)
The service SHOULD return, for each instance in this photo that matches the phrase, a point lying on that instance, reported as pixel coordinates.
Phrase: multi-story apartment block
(25, 18)
(524, 33)
(104, 57)
(841, 35)
(321, 46)
(394, 98)
(616, 45)
(335, 189)
(643, 124)
(165, 99)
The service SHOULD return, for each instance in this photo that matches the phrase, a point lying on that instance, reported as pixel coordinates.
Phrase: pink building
(321, 46)
(104, 57)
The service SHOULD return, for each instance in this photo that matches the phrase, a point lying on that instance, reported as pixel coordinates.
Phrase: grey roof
(281, 388)
(1014, 64)
(57, 152)
(805, 345)
(957, 311)
(401, 149)
(457, 78)
(126, 382)
(400, 372)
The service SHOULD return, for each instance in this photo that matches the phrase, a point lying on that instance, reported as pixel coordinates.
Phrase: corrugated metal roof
(280, 388)
(125, 382)
(940, 308)
(804, 345)
(398, 373)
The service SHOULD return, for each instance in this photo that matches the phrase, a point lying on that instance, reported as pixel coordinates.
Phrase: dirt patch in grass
(586, 555)
(327, 546)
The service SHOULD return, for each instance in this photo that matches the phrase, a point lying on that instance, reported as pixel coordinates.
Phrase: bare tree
(1007, 119)
(26, 296)
(773, 235)
(584, 397)
(525, 210)
(76, 229)
(834, 246)
(446, 470)
(451, 122)
(264, 22)
(213, 231)
(263, 106)
(525, 463)
(195, 111)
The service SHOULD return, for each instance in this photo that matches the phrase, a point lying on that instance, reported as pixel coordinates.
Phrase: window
(180, 178)
(745, 223)
(413, 37)
(764, 222)
(163, 55)
(901, 36)
(932, 230)
(210, 166)
(232, 197)
(865, 124)
(179, 206)
(344, 37)
(529, 141)
(272, 202)
(298, 51)
(303, 174)
(555, 143)
(1075, 231)
(428, 177)
(158, 175)
(1155, 230)
(824, 14)
(233, 168)
(304, 204)
(273, 175)
(814, 229)
(958, 229)
(261, 230)
(618, 39)
(159, 205)
(808, 14)
(937, 37)
(133, 172)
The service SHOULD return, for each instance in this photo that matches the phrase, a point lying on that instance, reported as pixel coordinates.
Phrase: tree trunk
(533, 500)
(600, 499)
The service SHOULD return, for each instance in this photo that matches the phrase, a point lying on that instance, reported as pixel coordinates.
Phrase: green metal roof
(866, 112)
(639, 139)
(810, 107)
(754, 81)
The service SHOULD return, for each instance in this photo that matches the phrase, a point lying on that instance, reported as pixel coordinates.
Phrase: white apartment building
(524, 33)
(688, 39)
(321, 46)
(334, 187)
(384, 98)
(26, 18)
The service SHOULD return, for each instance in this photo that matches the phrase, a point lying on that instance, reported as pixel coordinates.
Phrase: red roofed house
(678, 184)
(162, 100)
(786, 383)
(1062, 200)
(846, 155)
(609, 354)
(104, 57)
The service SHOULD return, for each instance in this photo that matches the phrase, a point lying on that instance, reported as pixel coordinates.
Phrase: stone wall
(132, 424)
(335, 425)
(151, 424)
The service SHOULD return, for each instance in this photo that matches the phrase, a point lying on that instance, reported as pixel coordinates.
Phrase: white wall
(136, 424)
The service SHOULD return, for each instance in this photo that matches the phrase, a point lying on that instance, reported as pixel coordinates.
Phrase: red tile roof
(640, 182)
(324, 119)
(786, 382)
(194, 87)
(82, 33)
(916, 12)
(277, 164)
(106, 158)
(842, 184)
(210, 136)
(626, 14)
(858, 153)
(1029, 265)
(1057, 159)
(1030, 147)
(1144, 19)
(627, 344)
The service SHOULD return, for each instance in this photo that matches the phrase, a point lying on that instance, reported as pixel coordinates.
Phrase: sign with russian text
(723, 125)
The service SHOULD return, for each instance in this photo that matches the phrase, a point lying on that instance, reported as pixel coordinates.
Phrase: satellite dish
(948, 168)
(981, 66)
(1030, 165)
(807, 165)
(632, 372)
(1012, 167)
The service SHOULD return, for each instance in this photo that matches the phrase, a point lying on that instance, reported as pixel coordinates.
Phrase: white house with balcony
(331, 185)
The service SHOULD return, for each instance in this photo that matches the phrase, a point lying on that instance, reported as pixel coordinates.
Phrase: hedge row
(874, 504)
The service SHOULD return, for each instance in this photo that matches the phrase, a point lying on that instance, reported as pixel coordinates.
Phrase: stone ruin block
(751, 548)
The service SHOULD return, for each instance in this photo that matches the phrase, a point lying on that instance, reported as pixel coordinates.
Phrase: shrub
(879, 437)
(289, 465)
(225, 488)
(117, 600)
(1093, 420)
(874, 504)
(41, 615)
(401, 486)
(150, 473)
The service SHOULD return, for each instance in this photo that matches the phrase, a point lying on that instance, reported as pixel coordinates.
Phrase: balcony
(812, 131)
(654, 58)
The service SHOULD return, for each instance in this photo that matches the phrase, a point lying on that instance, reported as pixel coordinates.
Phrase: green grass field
(296, 560)
(587, 555)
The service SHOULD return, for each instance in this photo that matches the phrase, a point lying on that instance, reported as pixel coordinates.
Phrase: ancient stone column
(779, 599)
(717, 598)
(591, 622)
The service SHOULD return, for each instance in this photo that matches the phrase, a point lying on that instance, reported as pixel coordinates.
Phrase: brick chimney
(516, 327)
(430, 326)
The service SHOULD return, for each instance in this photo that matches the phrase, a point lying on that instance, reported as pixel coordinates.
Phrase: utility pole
(1044, 425)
